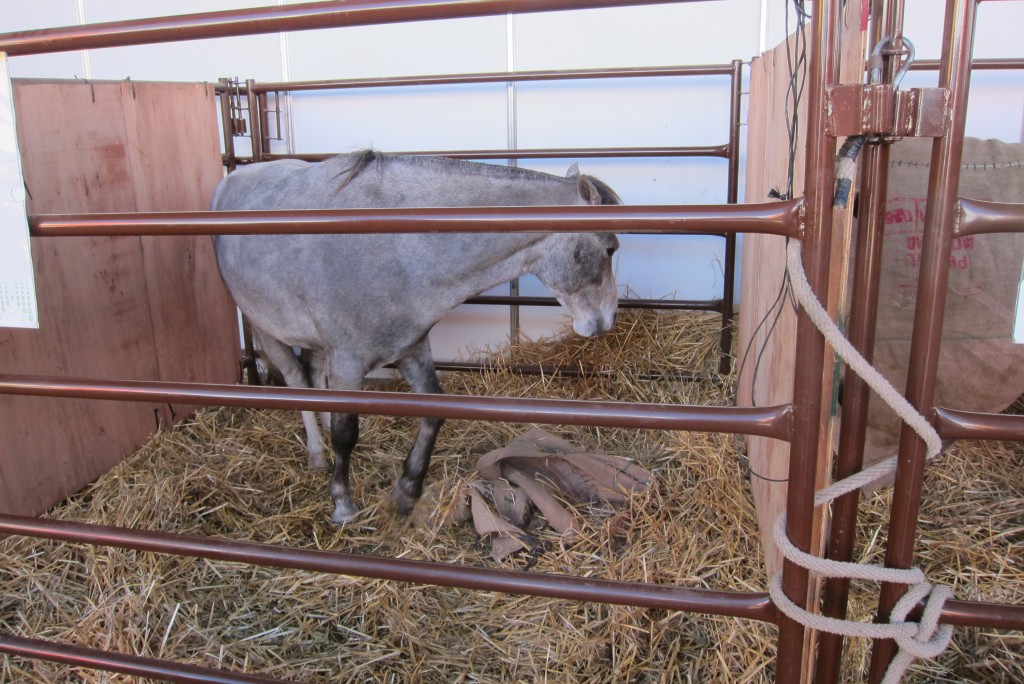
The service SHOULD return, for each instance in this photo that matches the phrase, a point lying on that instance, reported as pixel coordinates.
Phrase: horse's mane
(608, 196)
(363, 158)
(360, 160)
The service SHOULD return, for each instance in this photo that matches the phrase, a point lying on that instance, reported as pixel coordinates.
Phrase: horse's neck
(479, 261)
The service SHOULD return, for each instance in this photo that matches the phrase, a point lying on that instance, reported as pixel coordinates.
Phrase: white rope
(886, 392)
(925, 639)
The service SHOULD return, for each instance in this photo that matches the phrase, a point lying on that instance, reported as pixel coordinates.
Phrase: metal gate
(807, 219)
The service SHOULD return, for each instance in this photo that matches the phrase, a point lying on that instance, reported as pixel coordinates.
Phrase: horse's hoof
(315, 461)
(344, 511)
(405, 500)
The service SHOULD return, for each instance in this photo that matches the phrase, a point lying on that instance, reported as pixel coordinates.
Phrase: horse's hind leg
(283, 358)
(344, 435)
(418, 370)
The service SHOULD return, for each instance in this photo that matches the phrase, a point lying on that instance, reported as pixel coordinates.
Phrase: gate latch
(882, 109)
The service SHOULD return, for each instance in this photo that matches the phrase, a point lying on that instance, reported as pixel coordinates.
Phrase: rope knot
(929, 639)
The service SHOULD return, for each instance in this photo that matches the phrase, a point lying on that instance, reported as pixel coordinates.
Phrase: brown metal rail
(755, 606)
(628, 303)
(152, 668)
(300, 17)
(861, 322)
(939, 222)
(776, 218)
(732, 197)
(998, 64)
(771, 421)
(491, 77)
(822, 73)
(954, 424)
(570, 371)
(977, 217)
(545, 153)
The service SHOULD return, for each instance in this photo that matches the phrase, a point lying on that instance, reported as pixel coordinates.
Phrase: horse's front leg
(418, 370)
(344, 435)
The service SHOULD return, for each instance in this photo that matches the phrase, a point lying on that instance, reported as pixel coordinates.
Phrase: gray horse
(356, 302)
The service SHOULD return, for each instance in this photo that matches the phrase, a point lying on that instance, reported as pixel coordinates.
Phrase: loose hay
(240, 474)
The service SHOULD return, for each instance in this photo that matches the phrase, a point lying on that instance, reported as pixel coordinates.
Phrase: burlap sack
(980, 369)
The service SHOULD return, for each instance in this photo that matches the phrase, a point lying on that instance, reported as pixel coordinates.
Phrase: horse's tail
(360, 160)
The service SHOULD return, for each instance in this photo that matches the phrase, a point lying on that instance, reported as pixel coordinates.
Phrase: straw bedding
(240, 474)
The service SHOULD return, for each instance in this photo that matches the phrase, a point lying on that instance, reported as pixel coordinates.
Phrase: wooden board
(126, 308)
(767, 320)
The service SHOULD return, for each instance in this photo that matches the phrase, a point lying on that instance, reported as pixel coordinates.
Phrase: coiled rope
(924, 639)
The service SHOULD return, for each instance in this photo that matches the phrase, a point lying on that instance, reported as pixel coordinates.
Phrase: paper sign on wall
(18, 307)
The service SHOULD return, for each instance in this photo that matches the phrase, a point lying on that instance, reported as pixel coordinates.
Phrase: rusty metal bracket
(880, 110)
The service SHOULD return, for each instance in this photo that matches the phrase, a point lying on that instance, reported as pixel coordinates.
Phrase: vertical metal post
(255, 121)
(732, 196)
(264, 113)
(939, 222)
(807, 392)
(227, 123)
(512, 133)
(861, 320)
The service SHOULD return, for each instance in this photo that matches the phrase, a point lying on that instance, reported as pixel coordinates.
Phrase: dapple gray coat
(357, 302)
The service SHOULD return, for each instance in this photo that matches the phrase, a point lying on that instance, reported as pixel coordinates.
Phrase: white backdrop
(645, 112)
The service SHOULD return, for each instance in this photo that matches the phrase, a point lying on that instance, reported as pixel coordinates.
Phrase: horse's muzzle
(592, 327)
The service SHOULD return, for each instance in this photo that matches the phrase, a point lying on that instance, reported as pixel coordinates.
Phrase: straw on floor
(241, 474)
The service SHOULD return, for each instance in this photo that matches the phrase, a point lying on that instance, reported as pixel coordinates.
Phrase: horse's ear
(588, 191)
(573, 171)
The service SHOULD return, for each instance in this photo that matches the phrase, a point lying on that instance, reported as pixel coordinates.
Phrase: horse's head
(577, 268)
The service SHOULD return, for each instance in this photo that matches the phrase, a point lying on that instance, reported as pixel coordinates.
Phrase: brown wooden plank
(101, 309)
(767, 324)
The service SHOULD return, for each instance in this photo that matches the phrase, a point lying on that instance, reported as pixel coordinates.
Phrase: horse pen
(208, 555)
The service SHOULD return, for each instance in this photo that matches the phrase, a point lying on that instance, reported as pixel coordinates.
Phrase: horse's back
(372, 180)
(267, 185)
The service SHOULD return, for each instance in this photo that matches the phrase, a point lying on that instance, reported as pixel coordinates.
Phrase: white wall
(647, 112)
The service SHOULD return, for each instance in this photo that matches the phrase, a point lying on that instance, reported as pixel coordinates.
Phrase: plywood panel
(187, 301)
(88, 289)
(767, 326)
(126, 308)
